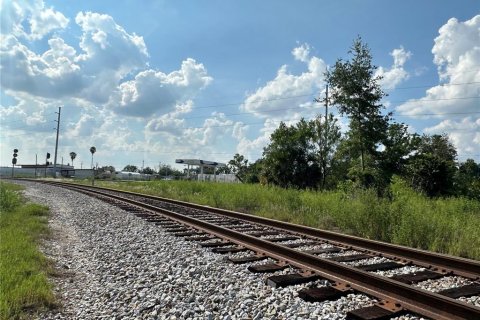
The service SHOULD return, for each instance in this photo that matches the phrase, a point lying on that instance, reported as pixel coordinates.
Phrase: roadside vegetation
(24, 288)
(406, 217)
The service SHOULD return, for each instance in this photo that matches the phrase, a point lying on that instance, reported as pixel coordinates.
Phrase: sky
(148, 82)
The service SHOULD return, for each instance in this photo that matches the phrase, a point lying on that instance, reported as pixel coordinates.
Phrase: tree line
(315, 154)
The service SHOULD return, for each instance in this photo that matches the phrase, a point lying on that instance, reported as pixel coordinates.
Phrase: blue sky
(150, 81)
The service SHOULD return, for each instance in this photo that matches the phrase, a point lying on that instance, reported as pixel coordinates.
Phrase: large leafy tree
(467, 179)
(290, 159)
(399, 145)
(357, 94)
(130, 168)
(147, 170)
(432, 168)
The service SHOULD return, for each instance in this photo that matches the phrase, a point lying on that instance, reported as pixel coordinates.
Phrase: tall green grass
(450, 225)
(24, 288)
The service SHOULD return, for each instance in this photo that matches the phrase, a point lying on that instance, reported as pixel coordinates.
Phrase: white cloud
(457, 57)
(151, 91)
(60, 72)
(45, 21)
(396, 74)
(302, 53)
(252, 148)
(465, 134)
(267, 99)
(102, 37)
(33, 15)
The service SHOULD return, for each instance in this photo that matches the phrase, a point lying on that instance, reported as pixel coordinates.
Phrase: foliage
(147, 170)
(130, 168)
(168, 171)
(23, 283)
(239, 166)
(290, 159)
(357, 94)
(73, 155)
(432, 169)
(467, 179)
(9, 199)
(327, 136)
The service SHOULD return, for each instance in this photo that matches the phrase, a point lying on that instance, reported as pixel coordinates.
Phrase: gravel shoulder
(114, 265)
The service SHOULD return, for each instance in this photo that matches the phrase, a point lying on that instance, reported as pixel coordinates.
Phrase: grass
(450, 225)
(24, 288)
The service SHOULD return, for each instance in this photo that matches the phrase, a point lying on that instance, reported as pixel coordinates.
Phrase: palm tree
(73, 155)
(92, 151)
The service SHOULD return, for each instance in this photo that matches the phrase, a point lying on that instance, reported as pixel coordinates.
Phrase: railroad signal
(14, 159)
(15, 155)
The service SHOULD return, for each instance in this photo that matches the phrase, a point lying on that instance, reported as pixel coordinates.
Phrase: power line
(433, 85)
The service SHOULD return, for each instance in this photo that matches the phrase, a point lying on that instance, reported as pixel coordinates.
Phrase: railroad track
(350, 264)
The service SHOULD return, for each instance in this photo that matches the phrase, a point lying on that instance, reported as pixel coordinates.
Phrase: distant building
(207, 164)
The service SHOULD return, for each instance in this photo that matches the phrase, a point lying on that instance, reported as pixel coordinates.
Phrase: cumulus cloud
(151, 91)
(457, 56)
(30, 19)
(266, 100)
(62, 72)
(302, 53)
(456, 53)
(396, 74)
(202, 141)
(464, 133)
(252, 148)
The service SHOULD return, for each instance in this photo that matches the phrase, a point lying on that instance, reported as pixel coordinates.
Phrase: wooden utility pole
(56, 144)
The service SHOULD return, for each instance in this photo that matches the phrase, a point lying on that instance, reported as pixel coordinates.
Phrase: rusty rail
(411, 298)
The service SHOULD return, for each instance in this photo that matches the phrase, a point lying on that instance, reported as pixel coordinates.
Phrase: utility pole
(323, 163)
(36, 164)
(56, 144)
(326, 111)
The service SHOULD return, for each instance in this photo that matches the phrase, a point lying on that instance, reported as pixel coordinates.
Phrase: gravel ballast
(114, 265)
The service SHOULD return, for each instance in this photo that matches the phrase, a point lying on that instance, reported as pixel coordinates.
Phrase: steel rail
(431, 260)
(413, 299)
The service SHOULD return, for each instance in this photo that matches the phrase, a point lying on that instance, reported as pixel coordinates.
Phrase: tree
(398, 147)
(432, 168)
(73, 155)
(130, 168)
(147, 170)
(327, 137)
(290, 159)
(357, 93)
(467, 179)
(239, 165)
(254, 172)
(92, 151)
